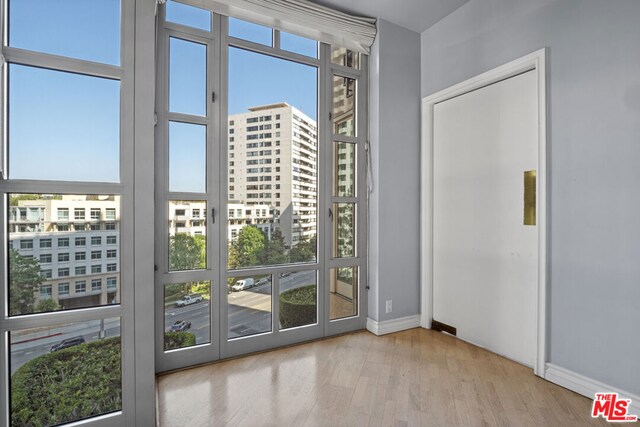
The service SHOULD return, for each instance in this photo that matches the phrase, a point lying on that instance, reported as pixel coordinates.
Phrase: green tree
(275, 252)
(185, 253)
(248, 249)
(24, 280)
(45, 305)
(304, 251)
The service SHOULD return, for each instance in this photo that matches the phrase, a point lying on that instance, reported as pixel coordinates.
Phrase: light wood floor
(410, 378)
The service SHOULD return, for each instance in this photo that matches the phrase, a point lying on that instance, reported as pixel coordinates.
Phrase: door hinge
(330, 214)
(213, 215)
(213, 97)
(155, 267)
(330, 116)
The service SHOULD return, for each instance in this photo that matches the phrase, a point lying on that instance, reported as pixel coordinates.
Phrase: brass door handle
(530, 197)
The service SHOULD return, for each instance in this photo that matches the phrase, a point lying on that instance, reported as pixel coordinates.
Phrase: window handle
(330, 214)
(213, 215)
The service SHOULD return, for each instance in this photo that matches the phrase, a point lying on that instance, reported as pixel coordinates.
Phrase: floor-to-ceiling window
(67, 201)
(260, 201)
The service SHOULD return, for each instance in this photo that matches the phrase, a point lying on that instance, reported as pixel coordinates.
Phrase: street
(249, 313)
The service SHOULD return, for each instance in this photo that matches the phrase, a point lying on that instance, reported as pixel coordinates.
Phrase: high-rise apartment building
(273, 153)
(75, 239)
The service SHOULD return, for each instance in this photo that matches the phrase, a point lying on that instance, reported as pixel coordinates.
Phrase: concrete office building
(273, 153)
(189, 217)
(75, 239)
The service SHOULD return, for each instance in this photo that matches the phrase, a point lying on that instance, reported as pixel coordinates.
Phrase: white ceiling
(416, 15)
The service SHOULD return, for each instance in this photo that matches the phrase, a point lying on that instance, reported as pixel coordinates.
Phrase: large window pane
(249, 31)
(187, 77)
(186, 314)
(190, 16)
(298, 299)
(272, 179)
(61, 262)
(187, 157)
(344, 172)
(56, 133)
(79, 29)
(249, 307)
(344, 106)
(187, 235)
(65, 372)
(344, 230)
(297, 44)
(343, 292)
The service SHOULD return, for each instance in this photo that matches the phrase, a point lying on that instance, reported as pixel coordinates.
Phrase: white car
(188, 300)
(243, 284)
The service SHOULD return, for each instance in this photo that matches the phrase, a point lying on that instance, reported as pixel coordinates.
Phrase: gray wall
(594, 159)
(394, 91)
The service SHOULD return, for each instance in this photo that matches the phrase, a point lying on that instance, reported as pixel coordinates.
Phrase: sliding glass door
(260, 202)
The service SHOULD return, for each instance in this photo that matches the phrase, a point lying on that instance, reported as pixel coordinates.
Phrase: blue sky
(64, 126)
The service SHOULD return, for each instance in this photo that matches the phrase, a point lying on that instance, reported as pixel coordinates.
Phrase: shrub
(174, 340)
(45, 305)
(298, 306)
(67, 385)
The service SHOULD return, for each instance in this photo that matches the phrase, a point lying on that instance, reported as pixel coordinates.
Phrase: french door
(260, 207)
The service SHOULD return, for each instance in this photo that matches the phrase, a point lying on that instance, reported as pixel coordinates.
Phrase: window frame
(132, 396)
(218, 145)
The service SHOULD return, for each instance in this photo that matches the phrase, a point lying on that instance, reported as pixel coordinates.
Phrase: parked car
(180, 325)
(263, 280)
(188, 299)
(243, 284)
(69, 342)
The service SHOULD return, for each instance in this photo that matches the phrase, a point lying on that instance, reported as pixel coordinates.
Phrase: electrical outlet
(389, 307)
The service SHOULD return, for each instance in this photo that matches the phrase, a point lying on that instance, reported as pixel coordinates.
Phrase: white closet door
(485, 258)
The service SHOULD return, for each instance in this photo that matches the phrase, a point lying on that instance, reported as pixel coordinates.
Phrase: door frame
(533, 62)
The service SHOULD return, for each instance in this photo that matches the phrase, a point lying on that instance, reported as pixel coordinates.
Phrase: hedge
(67, 385)
(175, 340)
(298, 307)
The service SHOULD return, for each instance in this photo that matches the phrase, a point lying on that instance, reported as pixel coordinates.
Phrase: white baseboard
(587, 386)
(393, 325)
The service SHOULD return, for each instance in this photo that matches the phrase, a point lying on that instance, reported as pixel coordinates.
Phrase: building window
(81, 270)
(63, 272)
(111, 267)
(112, 253)
(96, 285)
(46, 274)
(95, 269)
(79, 227)
(112, 240)
(63, 214)
(81, 286)
(110, 214)
(112, 282)
(96, 254)
(45, 291)
(96, 240)
(80, 256)
(45, 243)
(63, 242)
(81, 241)
(63, 288)
(110, 226)
(95, 213)
(26, 244)
(45, 258)
(63, 257)
(63, 227)
(95, 227)
(78, 214)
